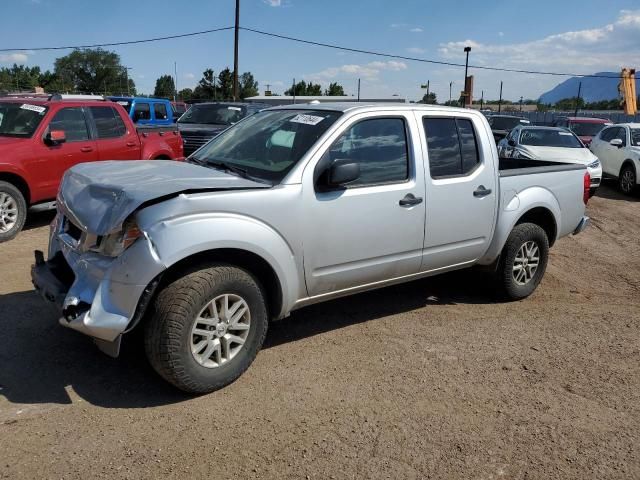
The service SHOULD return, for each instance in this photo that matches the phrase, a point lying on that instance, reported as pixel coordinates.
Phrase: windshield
(267, 145)
(504, 123)
(584, 129)
(635, 137)
(214, 114)
(549, 138)
(20, 120)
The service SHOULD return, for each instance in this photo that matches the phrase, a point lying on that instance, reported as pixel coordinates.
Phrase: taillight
(587, 187)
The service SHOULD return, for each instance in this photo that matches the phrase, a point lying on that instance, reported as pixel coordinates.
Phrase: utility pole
(358, 89)
(575, 114)
(466, 68)
(450, 86)
(235, 53)
(520, 103)
(426, 85)
(214, 84)
(175, 83)
(500, 101)
(481, 99)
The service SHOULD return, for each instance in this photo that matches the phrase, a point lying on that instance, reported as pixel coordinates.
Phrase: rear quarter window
(108, 122)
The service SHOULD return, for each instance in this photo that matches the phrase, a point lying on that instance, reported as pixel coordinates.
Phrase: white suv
(618, 148)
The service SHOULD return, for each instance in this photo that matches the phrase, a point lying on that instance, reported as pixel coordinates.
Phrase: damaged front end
(101, 285)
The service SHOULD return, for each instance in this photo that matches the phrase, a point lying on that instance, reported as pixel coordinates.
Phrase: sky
(571, 36)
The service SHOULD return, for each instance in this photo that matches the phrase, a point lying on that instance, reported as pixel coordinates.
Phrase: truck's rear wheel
(206, 328)
(13, 211)
(523, 261)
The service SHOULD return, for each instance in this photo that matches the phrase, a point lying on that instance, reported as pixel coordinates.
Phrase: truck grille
(194, 140)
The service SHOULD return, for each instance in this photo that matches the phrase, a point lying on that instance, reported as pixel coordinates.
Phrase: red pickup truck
(40, 138)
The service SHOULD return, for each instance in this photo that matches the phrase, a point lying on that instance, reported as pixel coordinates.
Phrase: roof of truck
(352, 106)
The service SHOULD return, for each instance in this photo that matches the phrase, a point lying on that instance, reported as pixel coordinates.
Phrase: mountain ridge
(593, 89)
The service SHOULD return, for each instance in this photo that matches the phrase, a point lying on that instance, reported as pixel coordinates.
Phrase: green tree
(93, 71)
(334, 90)
(225, 82)
(569, 103)
(247, 85)
(185, 94)
(429, 99)
(165, 87)
(304, 88)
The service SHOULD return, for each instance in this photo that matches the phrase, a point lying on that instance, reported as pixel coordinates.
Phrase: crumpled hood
(100, 196)
(582, 156)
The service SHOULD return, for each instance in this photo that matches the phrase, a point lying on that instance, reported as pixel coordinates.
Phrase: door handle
(86, 149)
(481, 191)
(409, 200)
(131, 144)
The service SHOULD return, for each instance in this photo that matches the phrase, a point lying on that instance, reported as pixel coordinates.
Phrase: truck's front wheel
(13, 211)
(206, 328)
(523, 261)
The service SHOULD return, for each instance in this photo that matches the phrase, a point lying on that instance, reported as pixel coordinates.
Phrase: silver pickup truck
(292, 206)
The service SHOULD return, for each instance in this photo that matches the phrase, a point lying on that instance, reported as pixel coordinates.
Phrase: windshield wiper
(229, 168)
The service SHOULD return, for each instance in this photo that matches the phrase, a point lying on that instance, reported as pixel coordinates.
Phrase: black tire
(627, 180)
(9, 190)
(520, 236)
(168, 334)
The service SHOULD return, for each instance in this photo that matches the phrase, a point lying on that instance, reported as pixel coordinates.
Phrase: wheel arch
(253, 263)
(19, 182)
(628, 161)
(544, 218)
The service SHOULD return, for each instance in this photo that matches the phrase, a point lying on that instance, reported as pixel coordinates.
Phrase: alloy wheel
(220, 330)
(8, 212)
(526, 263)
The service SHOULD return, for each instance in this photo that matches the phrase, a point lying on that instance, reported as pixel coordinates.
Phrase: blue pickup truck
(147, 111)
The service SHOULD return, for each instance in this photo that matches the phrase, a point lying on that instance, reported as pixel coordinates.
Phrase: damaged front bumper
(102, 297)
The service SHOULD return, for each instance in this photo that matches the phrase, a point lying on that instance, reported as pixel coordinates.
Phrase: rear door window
(141, 111)
(160, 110)
(108, 122)
(451, 145)
(72, 121)
(607, 134)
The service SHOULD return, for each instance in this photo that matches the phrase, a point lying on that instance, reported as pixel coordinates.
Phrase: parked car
(179, 108)
(551, 144)
(584, 127)
(40, 138)
(147, 111)
(292, 206)
(618, 148)
(203, 121)
(501, 125)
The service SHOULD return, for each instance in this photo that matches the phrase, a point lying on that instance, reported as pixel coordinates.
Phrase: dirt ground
(433, 379)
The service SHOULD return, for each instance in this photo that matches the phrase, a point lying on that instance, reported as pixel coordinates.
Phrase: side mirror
(512, 143)
(342, 172)
(55, 137)
(616, 142)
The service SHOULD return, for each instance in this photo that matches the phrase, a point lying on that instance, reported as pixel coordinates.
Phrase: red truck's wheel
(13, 211)
(523, 261)
(206, 328)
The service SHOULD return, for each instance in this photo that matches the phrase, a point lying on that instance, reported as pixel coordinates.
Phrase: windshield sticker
(566, 134)
(33, 108)
(122, 102)
(237, 109)
(306, 119)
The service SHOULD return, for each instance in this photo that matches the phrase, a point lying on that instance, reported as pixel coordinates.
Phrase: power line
(423, 60)
(113, 44)
(310, 42)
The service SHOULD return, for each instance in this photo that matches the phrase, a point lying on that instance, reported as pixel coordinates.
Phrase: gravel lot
(434, 379)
